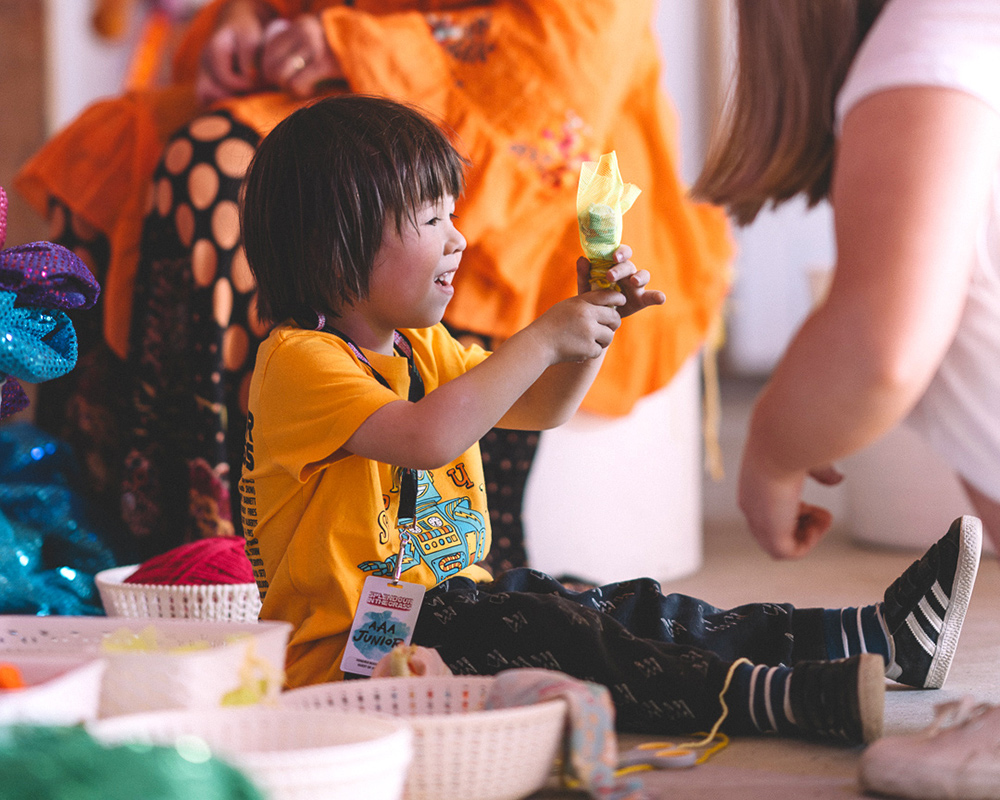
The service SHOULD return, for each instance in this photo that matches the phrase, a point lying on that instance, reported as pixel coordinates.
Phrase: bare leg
(988, 511)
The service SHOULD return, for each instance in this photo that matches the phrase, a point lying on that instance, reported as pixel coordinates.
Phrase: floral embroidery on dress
(467, 42)
(558, 154)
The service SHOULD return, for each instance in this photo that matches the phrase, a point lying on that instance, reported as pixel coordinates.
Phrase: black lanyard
(408, 478)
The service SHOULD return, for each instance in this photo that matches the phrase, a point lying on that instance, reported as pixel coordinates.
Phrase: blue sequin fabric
(36, 344)
(50, 549)
(49, 552)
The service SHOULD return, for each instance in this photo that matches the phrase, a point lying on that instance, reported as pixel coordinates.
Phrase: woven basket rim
(472, 715)
(381, 726)
(114, 578)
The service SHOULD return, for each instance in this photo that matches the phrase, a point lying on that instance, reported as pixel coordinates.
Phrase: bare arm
(913, 172)
(450, 419)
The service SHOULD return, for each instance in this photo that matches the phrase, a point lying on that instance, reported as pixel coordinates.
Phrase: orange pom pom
(10, 677)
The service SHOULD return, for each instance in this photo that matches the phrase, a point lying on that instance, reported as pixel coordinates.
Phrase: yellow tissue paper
(601, 199)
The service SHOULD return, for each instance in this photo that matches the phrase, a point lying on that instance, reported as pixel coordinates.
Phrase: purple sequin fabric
(48, 275)
(44, 274)
(12, 398)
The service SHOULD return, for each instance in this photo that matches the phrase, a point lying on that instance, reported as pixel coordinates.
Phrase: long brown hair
(775, 138)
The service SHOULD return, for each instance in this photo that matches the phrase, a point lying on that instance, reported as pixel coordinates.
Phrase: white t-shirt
(954, 44)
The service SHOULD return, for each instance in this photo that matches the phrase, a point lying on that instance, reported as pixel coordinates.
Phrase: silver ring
(298, 63)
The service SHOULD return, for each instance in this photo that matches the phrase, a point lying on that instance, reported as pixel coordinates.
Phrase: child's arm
(451, 418)
(534, 380)
(557, 394)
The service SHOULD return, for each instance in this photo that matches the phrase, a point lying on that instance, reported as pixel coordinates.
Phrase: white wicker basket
(224, 602)
(461, 752)
(290, 753)
(196, 663)
(59, 690)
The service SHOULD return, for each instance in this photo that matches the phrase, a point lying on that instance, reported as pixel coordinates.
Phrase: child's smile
(445, 278)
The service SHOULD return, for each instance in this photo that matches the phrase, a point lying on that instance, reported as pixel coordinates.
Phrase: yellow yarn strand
(713, 741)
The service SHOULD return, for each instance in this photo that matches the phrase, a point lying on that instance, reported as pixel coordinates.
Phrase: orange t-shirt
(316, 525)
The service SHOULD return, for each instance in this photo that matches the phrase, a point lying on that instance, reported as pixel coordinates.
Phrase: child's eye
(453, 217)
(433, 221)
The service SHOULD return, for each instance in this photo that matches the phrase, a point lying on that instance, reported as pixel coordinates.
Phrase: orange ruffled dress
(532, 89)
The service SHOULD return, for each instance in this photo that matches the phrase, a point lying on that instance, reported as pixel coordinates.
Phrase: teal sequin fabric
(36, 344)
(49, 548)
(49, 553)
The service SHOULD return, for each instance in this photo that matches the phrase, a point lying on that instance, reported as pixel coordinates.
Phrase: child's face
(411, 281)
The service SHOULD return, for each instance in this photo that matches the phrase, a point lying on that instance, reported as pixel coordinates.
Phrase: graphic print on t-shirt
(450, 535)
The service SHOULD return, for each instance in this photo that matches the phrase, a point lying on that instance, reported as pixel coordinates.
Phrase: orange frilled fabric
(529, 96)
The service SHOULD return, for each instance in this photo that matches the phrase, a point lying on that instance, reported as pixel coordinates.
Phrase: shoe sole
(970, 545)
(871, 696)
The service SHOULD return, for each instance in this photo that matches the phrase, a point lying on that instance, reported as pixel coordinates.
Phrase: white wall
(81, 66)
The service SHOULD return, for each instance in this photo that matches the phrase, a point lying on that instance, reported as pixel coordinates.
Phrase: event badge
(387, 615)
(388, 610)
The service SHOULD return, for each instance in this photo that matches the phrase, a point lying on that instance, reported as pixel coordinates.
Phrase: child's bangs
(429, 169)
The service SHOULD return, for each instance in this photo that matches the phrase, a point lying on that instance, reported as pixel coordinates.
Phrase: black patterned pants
(663, 657)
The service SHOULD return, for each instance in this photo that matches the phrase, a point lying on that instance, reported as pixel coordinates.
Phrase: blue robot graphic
(444, 533)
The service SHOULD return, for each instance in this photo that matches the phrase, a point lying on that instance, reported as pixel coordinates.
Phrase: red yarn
(218, 559)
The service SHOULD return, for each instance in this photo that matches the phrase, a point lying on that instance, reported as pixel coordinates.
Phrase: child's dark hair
(320, 189)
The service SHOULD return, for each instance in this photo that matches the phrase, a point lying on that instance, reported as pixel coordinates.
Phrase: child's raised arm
(534, 380)
(450, 419)
(558, 392)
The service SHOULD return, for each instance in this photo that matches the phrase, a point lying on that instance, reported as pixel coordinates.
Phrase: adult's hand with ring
(230, 62)
(296, 56)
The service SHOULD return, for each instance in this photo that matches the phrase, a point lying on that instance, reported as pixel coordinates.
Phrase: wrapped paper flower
(601, 199)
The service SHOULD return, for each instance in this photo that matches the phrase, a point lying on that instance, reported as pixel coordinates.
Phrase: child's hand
(578, 329)
(631, 280)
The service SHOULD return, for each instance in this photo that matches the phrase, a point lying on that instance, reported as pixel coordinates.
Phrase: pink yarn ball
(218, 559)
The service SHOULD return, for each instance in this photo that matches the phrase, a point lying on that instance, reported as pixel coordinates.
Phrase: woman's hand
(296, 57)
(230, 62)
(784, 525)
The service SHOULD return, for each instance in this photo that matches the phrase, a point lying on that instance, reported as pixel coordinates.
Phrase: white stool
(614, 498)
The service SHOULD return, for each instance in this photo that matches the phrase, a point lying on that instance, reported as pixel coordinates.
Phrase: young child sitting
(365, 411)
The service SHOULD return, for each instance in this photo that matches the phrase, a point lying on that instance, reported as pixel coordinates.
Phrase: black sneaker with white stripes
(925, 607)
